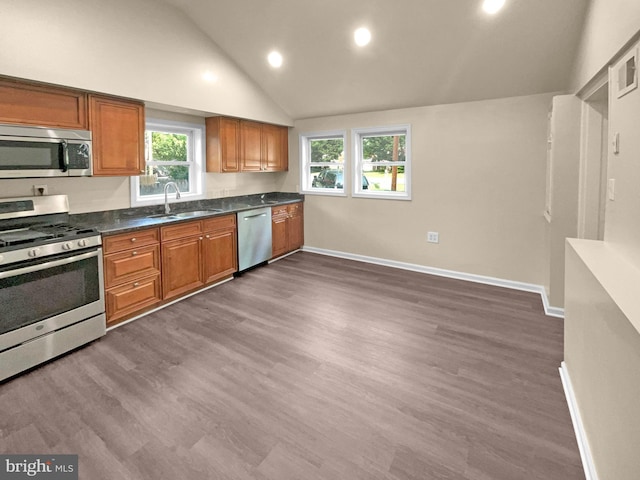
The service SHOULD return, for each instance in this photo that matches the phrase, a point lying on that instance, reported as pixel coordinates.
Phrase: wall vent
(627, 73)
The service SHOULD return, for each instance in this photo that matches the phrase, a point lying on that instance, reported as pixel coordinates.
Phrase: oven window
(31, 297)
(29, 155)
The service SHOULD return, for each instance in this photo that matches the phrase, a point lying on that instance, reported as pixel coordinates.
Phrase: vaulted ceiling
(423, 52)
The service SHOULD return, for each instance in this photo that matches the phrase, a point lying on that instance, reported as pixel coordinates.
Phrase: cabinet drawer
(181, 230)
(130, 265)
(219, 223)
(132, 297)
(127, 241)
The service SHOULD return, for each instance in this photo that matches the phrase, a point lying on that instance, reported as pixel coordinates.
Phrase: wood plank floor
(311, 368)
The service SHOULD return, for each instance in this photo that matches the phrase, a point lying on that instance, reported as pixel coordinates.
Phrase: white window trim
(198, 148)
(356, 136)
(305, 163)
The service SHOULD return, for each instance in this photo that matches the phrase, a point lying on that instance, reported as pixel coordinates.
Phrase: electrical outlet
(433, 237)
(40, 190)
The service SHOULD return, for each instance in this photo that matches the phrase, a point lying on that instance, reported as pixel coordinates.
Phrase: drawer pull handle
(133, 239)
(201, 238)
(207, 236)
(137, 284)
(133, 254)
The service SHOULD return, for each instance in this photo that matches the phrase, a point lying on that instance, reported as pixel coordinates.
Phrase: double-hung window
(323, 165)
(382, 162)
(174, 152)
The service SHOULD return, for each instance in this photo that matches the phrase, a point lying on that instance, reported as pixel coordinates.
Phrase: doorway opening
(593, 164)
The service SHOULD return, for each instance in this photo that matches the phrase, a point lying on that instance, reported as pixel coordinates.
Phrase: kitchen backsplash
(95, 194)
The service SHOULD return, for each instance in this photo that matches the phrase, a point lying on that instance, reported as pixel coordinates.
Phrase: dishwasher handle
(254, 216)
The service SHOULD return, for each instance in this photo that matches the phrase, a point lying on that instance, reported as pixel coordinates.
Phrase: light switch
(611, 189)
(616, 143)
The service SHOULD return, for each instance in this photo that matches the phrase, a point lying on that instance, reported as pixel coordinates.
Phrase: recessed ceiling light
(209, 77)
(362, 36)
(492, 6)
(275, 59)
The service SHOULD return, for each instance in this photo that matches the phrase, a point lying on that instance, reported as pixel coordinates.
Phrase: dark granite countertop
(128, 219)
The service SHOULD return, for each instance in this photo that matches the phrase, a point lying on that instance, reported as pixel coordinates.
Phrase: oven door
(41, 296)
(32, 157)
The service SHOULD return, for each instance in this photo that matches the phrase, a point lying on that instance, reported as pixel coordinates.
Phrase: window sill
(327, 193)
(382, 196)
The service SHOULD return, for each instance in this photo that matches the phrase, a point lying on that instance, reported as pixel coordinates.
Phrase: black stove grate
(39, 233)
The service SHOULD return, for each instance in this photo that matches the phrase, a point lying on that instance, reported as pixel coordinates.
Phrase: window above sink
(174, 152)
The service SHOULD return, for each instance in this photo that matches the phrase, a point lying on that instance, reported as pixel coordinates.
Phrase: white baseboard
(581, 436)
(469, 277)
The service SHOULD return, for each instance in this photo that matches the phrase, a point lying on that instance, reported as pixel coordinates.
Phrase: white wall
(565, 166)
(622, 225)
(602, 355)
(478, 179)
(602, 317)
(609, 25)
(142, 49)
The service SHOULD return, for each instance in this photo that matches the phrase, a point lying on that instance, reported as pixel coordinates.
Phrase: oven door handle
(44, 266)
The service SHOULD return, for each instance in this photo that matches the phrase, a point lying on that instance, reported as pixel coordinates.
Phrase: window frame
(306, 164)
(357, 134)
(195, 146)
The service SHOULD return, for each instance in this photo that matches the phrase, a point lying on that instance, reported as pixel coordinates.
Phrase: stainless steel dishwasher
(254, 237)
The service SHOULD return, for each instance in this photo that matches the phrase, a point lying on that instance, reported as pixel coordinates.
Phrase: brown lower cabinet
(144, 268)
(287, 228)
(197, 253)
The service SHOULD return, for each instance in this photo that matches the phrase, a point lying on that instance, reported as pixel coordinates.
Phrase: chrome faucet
(166, 191)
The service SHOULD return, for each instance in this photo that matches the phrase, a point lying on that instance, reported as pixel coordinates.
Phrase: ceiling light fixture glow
(209, 77)
(362, 36)
(492, 6)
(275, 59)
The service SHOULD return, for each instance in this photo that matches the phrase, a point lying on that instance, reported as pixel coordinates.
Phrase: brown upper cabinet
(25, 103)
(117, 128)
(223, 144)
(235, 145)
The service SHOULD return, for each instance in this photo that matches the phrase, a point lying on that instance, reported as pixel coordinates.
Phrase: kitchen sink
(194, 213)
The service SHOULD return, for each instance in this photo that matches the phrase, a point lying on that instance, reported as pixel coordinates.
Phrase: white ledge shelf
(619, 277)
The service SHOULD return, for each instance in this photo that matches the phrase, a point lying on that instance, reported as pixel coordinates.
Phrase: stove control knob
(66, 246)
(34, 252)
(82, 243)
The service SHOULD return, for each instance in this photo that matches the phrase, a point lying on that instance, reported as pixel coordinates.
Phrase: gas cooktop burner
(16, 237)
(38, 233)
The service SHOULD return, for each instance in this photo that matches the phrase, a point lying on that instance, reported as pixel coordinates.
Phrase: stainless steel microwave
(44, 152)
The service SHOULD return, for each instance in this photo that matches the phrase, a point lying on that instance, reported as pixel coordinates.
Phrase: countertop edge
(117, 225)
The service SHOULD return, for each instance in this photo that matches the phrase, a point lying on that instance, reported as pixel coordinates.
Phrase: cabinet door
(250, 146)
(219, 256)
(132, 297)
(278, 234)
(274, 148)
(181, 270)
(32, 104)
(295, 227)
(223, 144)
(118, 136)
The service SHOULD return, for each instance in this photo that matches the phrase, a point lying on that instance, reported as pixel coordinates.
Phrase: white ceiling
(423, 52)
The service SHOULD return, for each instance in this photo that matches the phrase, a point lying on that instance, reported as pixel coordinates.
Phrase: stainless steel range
(51, 287)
